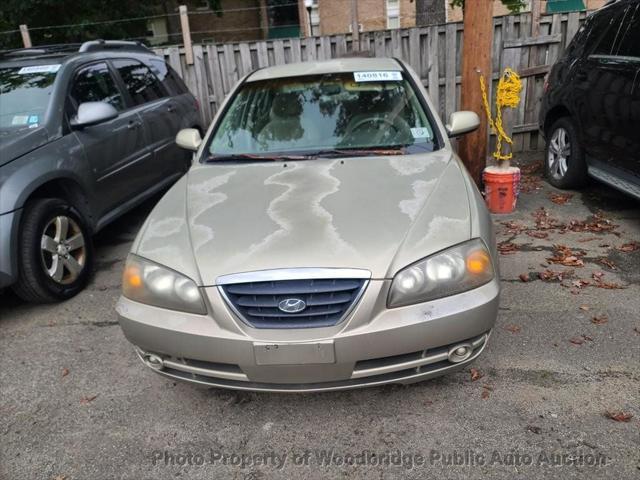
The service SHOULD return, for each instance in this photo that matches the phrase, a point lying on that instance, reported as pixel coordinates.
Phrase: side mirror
(461, 123)
(189, 139)
(92, 113)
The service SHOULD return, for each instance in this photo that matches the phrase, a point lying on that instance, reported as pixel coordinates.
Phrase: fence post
(26, 38)
(355, 27)
(186, 34)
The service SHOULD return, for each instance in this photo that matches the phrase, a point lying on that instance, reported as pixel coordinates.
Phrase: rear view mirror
(462, 122)
(189, 139)
(93, 113)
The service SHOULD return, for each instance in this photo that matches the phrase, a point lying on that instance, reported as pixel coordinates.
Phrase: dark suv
(86, 133)
(591, 108)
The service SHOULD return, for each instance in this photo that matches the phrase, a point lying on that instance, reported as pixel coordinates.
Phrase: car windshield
(321, 113)
(24, 95)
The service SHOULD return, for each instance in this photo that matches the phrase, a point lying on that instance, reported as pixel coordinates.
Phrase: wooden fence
(434, 52)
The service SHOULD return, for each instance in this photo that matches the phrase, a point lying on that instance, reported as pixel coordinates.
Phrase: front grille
(327, 301)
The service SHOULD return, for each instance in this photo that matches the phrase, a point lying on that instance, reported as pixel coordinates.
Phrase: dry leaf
(600, 319)
(584, 307)
(475, 374)
(560, 198)
(537, 234)
(485, 394)
(513, 328)
(576, 340)
(629, 247)
(507, 248)
(567, 257)
(534, 429)
(60, 477)
(85, 400)
(524, 277)
(619, 416)
(608, 263)
(65, 372)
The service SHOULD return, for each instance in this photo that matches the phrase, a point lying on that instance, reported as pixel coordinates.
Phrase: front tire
(565, 166)
(55, 253)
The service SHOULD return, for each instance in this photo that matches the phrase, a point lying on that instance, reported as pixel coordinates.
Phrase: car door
(116, 150)
(627, 53)
(159, 116)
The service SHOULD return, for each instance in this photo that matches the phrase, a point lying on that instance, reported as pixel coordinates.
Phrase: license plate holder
(270, 353)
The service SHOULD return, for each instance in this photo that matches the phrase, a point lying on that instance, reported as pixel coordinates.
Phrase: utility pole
(536, 10)
(476, 60)
(355, 26)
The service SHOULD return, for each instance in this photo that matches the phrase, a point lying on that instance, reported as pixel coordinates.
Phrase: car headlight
(147, 282)
(455, 270)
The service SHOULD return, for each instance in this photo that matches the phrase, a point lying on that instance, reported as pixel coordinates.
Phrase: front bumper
(374, 346)
(8, 245)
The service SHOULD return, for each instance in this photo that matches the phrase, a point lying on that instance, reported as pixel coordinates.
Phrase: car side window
(95, 84)
(629, 41)
(168, 77)
(613, 26)
(141, 83)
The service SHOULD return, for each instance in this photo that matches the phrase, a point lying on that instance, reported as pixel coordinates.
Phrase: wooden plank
(186, 34)
(217, 83)
(202, 85)
(310, 48)
(433, 70)
(554, 49)
(263, 54)
(174, 60)
(296, 50)
(573, 24)
(450, 69)
(414, 51)
(527, 127)
(278, 52)
(230, 69)
(245, 58)
(529, 41)
(325, 48)
(533, 71)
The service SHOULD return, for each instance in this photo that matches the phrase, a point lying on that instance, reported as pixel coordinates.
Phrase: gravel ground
(76, 403)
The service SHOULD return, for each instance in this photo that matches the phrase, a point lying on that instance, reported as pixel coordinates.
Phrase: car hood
(374, 213)
(15, 143)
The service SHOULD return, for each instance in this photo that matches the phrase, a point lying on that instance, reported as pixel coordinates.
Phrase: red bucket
(501, 188)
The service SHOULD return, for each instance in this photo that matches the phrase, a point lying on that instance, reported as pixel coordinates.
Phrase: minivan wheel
(55, 252)
(564, 163)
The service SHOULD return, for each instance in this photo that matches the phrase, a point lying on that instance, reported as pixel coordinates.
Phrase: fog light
(459, 353)
(153, 361)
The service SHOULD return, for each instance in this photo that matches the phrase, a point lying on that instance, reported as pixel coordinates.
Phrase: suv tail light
(547, 85)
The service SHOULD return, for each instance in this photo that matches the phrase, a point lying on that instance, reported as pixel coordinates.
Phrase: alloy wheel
(558, 153)
(63, 250)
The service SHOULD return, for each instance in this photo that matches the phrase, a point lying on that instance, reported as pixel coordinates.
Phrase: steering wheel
(399, 125)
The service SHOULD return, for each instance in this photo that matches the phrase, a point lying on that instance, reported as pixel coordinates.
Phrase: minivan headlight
(455, 270)
(147, 282)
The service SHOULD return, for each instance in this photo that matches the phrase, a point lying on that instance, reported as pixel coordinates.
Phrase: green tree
(514, 6)
(79, 16)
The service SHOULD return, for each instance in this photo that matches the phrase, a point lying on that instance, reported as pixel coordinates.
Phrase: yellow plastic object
(507, 95)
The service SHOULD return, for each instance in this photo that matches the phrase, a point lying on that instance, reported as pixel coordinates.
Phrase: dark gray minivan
(86, 133)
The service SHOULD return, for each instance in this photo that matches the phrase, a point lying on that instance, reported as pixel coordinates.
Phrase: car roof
(326, 66)
(72, 53)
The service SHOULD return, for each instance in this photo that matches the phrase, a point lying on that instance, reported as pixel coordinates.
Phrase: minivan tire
(574, 173)
(56, 267)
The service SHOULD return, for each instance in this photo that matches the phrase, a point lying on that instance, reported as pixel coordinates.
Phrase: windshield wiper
(254, 157)
(359, 152)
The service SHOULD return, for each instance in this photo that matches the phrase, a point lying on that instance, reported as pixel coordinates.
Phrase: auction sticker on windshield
(391, 76)
(39, 69)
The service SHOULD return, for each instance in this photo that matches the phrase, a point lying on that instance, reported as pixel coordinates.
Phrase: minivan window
(323, 112)
(168, 77)
(95, 84)
(629, 42)
(24, 95)
(141, 83)
(613, 27)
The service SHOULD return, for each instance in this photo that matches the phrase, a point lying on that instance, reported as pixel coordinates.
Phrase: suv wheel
(55, 252)
(564, 165)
